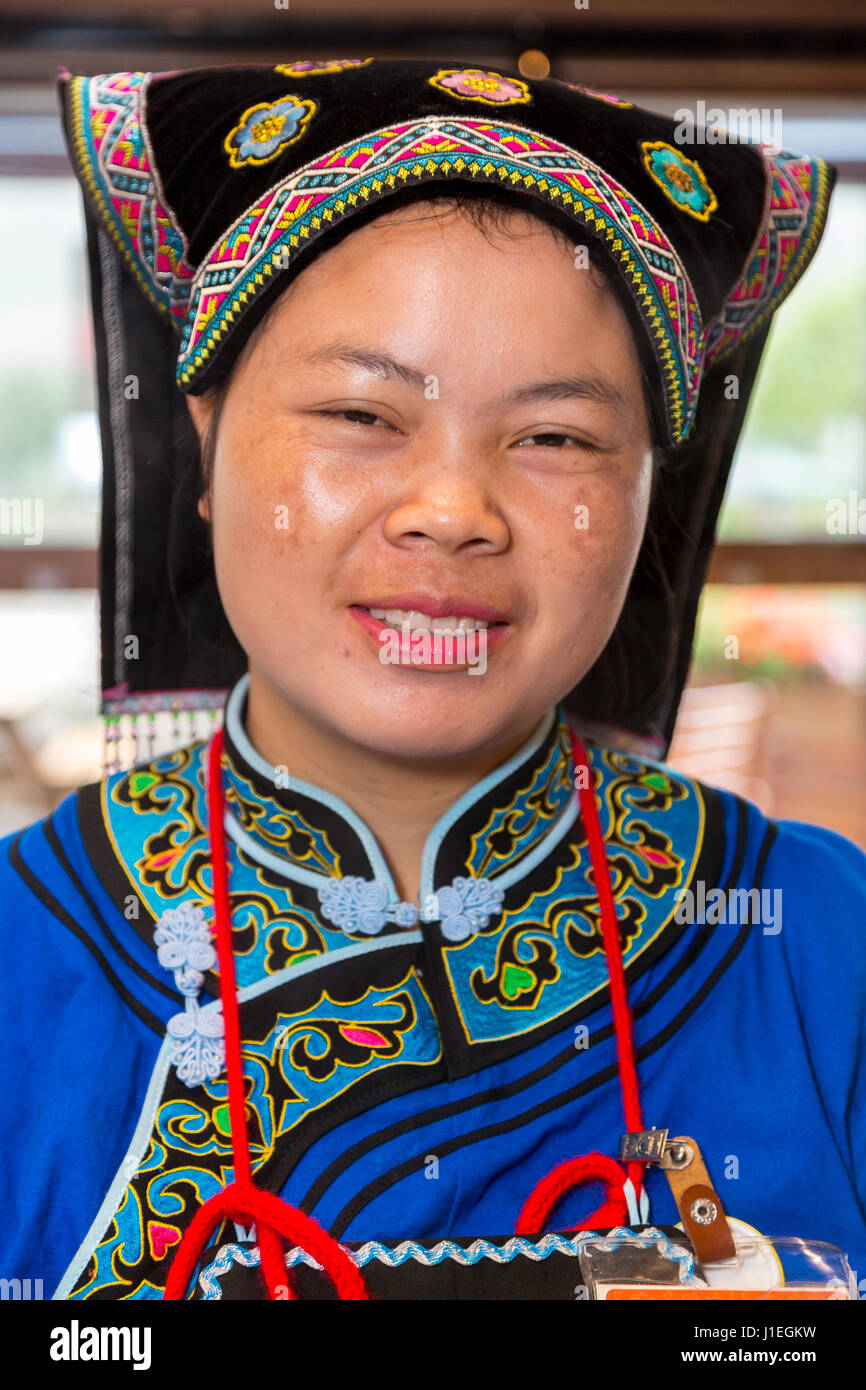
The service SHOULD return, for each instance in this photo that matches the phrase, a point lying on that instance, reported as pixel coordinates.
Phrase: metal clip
(678, 1154)
(643, 1146)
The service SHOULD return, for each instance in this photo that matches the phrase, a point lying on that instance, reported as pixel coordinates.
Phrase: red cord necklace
(274, 1219)
(597, 1167)
(242, 1200)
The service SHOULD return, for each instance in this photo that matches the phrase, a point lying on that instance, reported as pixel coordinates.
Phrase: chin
(437, 717)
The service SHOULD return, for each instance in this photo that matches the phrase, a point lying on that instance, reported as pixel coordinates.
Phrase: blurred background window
(806, 438)
(49, 439)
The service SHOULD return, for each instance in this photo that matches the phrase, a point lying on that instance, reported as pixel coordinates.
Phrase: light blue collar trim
(235, 724)
(276, 862)
(361, 905)
(444, 824)
(544, 847)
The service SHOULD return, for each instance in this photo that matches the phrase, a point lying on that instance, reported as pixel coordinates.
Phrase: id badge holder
(635, 1264)
(631, 1266)
(720, 1257)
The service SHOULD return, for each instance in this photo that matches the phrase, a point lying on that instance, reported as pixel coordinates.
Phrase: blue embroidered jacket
(413, 1070)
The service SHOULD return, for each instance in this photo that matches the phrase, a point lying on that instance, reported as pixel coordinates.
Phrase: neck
(399, 798)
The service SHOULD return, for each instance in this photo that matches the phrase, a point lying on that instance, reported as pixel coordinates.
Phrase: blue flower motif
(197, 1045)
(405, 914)
(264, 130)
(464, 907)
(184, 945)
(680, 178)
(355, 904)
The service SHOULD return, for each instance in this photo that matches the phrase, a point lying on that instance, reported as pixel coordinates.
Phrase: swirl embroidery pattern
(272, 925)
(546, 952)
(294, 1065)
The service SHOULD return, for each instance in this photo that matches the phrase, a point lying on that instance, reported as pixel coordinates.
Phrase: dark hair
(606, 690)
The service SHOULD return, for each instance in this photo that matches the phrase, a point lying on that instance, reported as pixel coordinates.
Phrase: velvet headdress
(207, 190)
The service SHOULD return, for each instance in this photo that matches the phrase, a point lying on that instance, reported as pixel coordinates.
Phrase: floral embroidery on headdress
(317, 67)
(477, 84)
(598, 96)
(264, 131)
(680, 178)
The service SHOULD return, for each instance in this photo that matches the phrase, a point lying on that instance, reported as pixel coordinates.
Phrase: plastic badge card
(648, 1264)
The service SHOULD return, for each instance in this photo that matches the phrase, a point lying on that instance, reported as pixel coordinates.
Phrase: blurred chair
(36, 774)
(23, 793)
(721, 737)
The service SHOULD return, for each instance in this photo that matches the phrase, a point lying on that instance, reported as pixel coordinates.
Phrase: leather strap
(698, 1203)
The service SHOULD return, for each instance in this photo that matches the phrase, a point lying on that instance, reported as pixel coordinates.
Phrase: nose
(450, 509)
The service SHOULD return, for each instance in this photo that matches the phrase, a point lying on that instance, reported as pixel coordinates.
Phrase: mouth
(432, 634)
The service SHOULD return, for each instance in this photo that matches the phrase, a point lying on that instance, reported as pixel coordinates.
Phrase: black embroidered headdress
(206, 190)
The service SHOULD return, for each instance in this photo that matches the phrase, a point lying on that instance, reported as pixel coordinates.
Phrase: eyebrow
(591, 386)
(588, 387)
(376, 363)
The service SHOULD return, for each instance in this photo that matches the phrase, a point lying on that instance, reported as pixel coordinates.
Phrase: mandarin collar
(498, 830)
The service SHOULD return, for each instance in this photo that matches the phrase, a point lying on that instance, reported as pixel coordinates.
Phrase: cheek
(265, 534)
(586, 562)
(284, 504)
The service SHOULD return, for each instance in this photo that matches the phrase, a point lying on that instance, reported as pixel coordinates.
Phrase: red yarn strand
(226, 956)
(242, 1201)
(622, 1021)
(597, 1167)
(576, 1172)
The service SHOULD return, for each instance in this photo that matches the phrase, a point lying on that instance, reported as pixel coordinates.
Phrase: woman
(465, 358)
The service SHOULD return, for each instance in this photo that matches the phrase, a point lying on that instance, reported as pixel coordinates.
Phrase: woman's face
(432, 423)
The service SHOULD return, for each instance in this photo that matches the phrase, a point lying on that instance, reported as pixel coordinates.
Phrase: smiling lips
(418, 621)
(449, 618)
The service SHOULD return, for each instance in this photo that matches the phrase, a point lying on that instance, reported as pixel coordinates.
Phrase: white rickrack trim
(468, 1255)
(516, 1246)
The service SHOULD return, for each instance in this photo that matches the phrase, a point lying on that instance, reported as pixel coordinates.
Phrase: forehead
(480, 223)
(458, 264)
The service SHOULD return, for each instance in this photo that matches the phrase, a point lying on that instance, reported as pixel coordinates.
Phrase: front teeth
(396, 617)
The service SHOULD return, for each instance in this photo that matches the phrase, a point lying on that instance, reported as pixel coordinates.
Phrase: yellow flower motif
(680, 178)
(264, 131)
(317, 67)
(476, 84)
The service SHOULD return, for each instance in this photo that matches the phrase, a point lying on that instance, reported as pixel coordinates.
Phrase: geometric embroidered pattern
(798, 188)
(110, 148)
(291, 215)
(112, 153)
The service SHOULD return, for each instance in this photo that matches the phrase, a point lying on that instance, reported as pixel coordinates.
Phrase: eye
(356, 417)
(552, 439)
